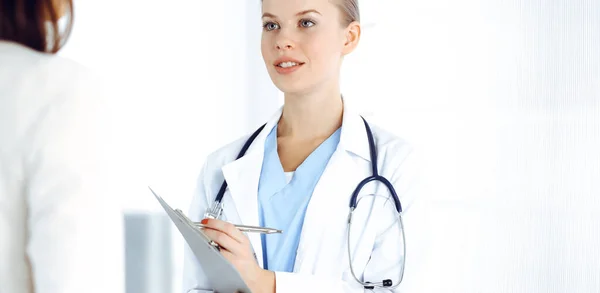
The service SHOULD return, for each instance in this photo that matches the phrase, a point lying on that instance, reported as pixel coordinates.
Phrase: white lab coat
(322, 259)
(59, 232)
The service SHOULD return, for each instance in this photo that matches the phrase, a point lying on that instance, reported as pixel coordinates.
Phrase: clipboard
(222, 275)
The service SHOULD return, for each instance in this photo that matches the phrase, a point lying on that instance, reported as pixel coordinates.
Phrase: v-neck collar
(304, 174)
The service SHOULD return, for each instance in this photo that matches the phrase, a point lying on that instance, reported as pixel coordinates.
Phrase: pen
(250, 229)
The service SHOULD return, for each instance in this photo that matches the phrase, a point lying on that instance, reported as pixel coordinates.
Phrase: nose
(284, 43)
(284, 46)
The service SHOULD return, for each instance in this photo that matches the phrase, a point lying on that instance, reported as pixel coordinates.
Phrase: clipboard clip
(215, 211)
(211, 242)
(185, 218)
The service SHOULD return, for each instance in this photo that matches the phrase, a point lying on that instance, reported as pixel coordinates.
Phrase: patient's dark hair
(34, 23)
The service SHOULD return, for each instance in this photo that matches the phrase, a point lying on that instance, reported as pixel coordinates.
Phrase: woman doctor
(300, 171)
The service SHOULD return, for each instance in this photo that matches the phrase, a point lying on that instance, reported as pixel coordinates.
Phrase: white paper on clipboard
(223, 277)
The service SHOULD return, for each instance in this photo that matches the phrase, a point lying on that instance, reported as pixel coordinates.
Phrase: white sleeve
(75, 228)
(386, 257)
(194, 279)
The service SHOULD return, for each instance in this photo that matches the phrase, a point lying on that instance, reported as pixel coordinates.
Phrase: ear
(352, 33)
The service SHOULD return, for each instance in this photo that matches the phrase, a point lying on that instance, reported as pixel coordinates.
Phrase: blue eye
(269, 26)
(306, 23)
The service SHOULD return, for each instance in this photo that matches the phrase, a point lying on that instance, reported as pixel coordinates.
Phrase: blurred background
(501, 98)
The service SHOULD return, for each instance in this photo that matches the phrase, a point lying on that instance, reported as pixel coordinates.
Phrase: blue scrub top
(283, 199)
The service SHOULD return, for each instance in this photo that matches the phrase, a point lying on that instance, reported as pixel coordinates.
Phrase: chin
(292, 87)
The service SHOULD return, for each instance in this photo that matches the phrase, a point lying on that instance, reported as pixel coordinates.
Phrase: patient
(59, 232)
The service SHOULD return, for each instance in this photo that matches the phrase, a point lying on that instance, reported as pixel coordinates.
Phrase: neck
(310, 116)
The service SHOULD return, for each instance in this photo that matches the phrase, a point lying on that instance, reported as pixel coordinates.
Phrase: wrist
(265, 283)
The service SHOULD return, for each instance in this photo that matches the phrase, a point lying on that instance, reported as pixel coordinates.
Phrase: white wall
(175, 71)
(182, 78)
(503, 100)
(500, 97)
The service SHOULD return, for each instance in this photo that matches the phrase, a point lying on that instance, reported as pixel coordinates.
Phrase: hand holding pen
(243, 228)
(247, 229)
(235, 246)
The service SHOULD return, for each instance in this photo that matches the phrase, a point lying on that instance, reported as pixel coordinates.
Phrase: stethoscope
(216, 209)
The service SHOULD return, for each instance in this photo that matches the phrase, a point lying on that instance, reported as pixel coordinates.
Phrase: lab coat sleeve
(74, 226)
(194, 278)
(386, 256)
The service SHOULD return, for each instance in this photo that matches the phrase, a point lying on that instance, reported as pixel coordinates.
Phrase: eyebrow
(266, 14)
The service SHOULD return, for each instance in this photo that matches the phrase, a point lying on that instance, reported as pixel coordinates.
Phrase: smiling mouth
(288, 64)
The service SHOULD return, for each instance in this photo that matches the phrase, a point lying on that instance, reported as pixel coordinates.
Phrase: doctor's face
(302, 43)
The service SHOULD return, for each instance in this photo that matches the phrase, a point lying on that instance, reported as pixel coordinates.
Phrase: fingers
(225, 227)
(228, 255)
(226, 235)
(226, 243)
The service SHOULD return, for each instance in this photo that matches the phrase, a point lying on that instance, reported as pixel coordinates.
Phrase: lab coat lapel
(242, 178)
(327, 212)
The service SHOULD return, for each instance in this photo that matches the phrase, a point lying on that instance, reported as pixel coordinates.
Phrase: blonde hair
(350, 10)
